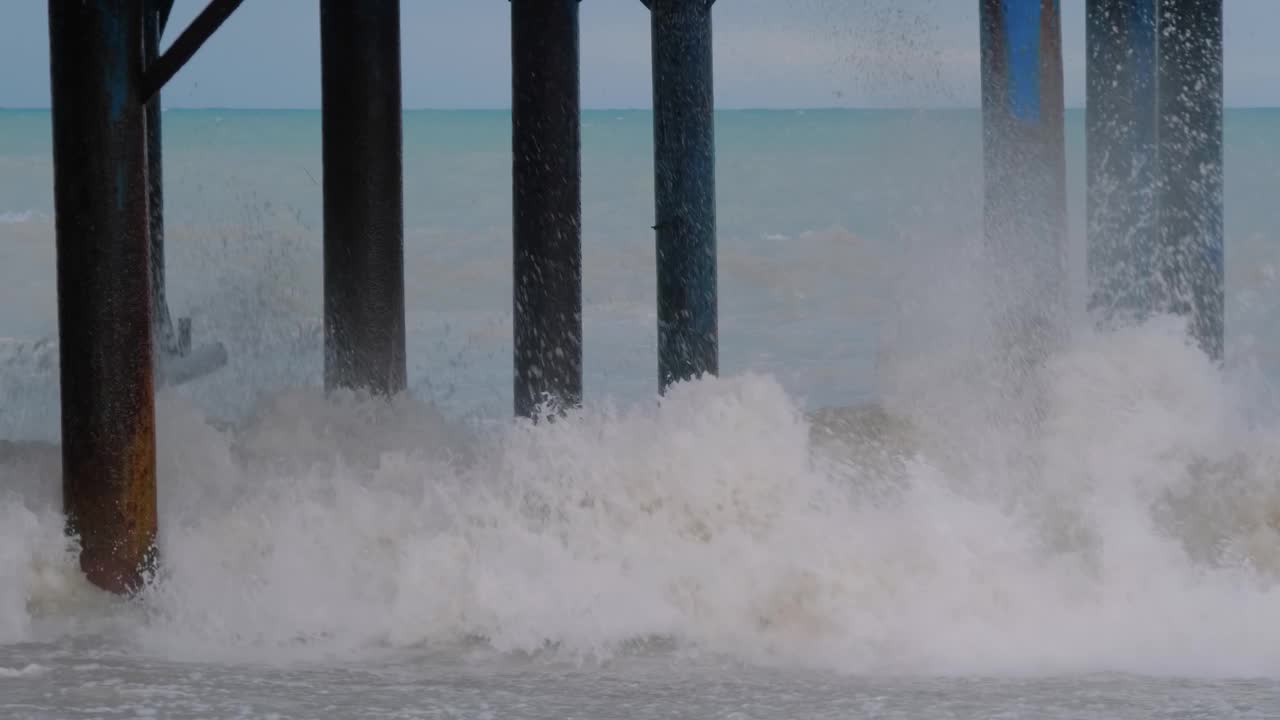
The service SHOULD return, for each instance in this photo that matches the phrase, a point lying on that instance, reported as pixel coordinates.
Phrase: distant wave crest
(16, 217)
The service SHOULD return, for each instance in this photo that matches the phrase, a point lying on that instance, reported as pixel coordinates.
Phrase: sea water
(845, 523)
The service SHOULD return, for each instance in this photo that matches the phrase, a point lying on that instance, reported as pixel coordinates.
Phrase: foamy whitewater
(854, 520)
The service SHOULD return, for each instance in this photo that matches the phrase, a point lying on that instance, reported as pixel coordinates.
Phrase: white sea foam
(1144, 536)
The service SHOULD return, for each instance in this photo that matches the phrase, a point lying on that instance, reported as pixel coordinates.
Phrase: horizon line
(605, 108)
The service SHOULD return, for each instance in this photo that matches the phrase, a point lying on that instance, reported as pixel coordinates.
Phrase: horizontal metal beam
(649, 3)
(186, 45)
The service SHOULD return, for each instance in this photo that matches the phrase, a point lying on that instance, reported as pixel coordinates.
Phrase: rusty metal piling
(104, 302)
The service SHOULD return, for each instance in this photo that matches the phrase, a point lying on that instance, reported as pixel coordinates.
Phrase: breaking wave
(1135, 528)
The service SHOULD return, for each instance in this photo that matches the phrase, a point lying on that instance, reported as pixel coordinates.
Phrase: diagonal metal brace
(164, 7)
(186, 45)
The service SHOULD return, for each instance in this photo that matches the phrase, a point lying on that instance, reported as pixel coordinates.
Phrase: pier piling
(155, 16)
(104, 301)
(1120, 128)
(1154, 134)
(1189, 179)
(1024, 164)
(684, 186)
(547, 204)
(363, 195)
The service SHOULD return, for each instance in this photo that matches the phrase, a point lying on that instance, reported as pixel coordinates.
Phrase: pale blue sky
(769, 53)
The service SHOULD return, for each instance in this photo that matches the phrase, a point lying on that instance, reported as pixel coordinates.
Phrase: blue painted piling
(1121, 160)
(1024, 170)
(684, 186)
(1189, 180)
(363, 195)
(104, 300)
(547, 204)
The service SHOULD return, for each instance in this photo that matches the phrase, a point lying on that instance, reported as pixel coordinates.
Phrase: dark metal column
(104, 302)
(547, 205)
(1121, 159)
(155, 16)
(684, 186)
(363, 195)
(1189, 183)
(1025, 171)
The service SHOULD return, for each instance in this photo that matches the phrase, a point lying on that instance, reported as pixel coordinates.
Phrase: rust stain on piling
(112, 504)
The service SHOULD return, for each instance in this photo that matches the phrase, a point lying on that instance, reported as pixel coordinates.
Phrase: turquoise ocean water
(835, 527)
(807, 201)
